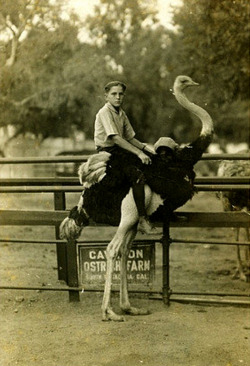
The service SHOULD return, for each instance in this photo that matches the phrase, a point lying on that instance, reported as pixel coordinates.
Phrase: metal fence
(67, 252)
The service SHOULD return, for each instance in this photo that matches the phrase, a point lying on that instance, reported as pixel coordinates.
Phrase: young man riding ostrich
(108, 195)
(114, 134)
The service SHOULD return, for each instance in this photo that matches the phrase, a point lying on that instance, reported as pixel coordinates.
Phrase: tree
(33, 88)
(54, 83)
(131, 42)
(18, 17)
(115, 23)
(35, 93)
(212, 46)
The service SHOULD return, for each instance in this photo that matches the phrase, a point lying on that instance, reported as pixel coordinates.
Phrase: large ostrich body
(237, 201)
(169, 186)
(172, 180)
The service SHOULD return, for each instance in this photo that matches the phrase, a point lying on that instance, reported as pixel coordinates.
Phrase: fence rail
(66, 252)
(193, 219)
(82, 158)
(75, 181)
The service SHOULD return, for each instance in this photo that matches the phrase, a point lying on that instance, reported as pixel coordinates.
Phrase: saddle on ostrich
(107, 197)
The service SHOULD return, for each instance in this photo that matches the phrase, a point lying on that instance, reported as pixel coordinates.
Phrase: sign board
(140, 265)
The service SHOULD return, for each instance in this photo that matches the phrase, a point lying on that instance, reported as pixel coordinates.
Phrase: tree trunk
(10, 61)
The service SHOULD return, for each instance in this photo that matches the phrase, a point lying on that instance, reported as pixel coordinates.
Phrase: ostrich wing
(173, 180)
(193, 152)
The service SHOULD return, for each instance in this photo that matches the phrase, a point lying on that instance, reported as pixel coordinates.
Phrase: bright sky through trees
(85, 7)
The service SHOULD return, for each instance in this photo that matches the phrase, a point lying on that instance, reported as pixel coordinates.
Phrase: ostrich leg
(124, 298)
(239, 271)
(112, 253)
(123, 237)
(247, 248)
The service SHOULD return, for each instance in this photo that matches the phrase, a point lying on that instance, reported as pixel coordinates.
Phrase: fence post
(72, 270)
(59, 204)
(166, 241)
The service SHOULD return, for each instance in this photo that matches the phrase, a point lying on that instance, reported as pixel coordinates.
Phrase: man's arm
(126, 145)
(141, 146)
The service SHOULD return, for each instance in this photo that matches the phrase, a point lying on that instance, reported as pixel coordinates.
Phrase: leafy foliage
(213, 46)
(52, 84)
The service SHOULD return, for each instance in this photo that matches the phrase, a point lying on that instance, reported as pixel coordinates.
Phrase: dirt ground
(43, 328)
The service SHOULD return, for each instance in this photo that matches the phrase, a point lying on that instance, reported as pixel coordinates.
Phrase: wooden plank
(78, 188)
(24, 217)
(222, 180)
(221, 187)
(41, 189)
(38, 181)
(75, 181)
(193, 219)
(214, 219)
(45, 159)
(82, 158)
(225, 156)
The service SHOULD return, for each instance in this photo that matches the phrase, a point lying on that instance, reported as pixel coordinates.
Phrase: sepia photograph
(124, 182)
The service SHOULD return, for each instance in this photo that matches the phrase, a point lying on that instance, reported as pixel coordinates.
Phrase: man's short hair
(114, 83)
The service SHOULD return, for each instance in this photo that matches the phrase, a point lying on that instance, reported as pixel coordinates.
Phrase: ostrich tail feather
(69, 230)
(94, 169)
(96, 175)
(72, 226)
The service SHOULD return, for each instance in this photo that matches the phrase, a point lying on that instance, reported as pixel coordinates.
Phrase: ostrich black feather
(172, 178)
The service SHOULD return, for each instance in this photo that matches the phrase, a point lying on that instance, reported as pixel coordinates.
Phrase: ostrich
(236, 201)
(107, 198)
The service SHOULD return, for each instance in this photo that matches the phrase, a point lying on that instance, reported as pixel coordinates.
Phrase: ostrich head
(182, 82)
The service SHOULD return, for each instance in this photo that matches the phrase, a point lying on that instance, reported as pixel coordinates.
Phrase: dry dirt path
(44, 329)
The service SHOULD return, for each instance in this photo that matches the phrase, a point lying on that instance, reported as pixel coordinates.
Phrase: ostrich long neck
(206, 120)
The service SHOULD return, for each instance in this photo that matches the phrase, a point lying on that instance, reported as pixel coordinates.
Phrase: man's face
(115, 96)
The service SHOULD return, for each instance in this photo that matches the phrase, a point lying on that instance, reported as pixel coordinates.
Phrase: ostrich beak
(193, 83)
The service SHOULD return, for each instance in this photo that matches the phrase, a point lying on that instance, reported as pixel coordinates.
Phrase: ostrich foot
(241, 275)
(135, 311)
(109, 314)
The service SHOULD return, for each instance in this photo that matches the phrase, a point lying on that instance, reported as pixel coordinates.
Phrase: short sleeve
(105, 119)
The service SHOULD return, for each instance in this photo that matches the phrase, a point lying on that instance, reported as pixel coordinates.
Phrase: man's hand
(149, 149)
(144, 158)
